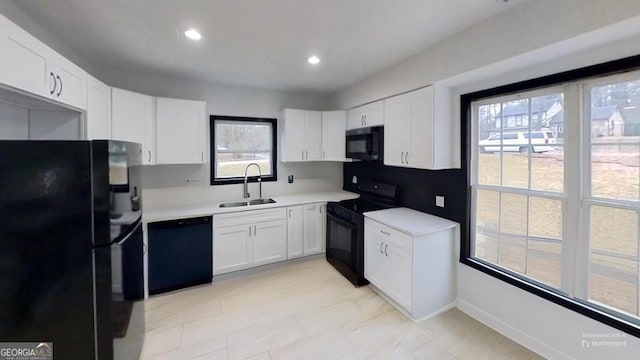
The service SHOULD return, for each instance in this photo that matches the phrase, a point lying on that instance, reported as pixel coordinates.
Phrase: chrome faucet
(246, 194)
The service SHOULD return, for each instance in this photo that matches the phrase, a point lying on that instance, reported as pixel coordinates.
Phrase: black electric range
(345, 228)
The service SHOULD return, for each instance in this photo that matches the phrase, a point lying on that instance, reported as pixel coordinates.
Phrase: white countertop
(409, 221)
(206, 209)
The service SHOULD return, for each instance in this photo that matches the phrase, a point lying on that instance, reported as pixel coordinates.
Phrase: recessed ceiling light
(313, 60)
(192, 34)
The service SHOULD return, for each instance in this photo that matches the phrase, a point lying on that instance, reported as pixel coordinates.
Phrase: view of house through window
(523, 183)
(238, 142)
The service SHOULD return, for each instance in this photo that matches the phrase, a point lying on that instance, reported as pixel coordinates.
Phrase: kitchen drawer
(392, 236)
(249, 217)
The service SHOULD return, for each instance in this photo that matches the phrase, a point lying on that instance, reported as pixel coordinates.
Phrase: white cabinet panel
(314, 232)
(29, 65)
(69, 82)
(399, 270)
(269, 242)
(231, 249)
(333, 135)
(366, 115)
(98, 110)
(23, 64)
(132, 119)
(295, 232)
(313, 135)
(301, 135)
(375, 269)
(180, 128)
(418, 128)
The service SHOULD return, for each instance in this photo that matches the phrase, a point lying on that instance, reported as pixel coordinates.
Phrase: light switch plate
(354, 179)
(440, 201)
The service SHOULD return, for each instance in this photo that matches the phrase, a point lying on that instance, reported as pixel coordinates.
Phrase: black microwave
(365, 143)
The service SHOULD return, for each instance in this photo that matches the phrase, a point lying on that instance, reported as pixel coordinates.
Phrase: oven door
(342, 249)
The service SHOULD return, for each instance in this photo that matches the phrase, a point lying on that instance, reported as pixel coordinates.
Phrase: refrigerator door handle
(126, 237)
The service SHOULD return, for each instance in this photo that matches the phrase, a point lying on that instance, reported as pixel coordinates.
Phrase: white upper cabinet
(98, 110)
(29, 65)
(366, 115)
(132, 119)
(301, 135)
(333, 135)
(418, 128)
(180, 134)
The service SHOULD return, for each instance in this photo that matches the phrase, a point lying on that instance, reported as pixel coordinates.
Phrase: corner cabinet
(133, 119)
(29, 65)
(306, 229)
(247, 239)
(418, 129)
(98, 110)
(180, 129)
(301, 132)
(371, 114)
(409, 258)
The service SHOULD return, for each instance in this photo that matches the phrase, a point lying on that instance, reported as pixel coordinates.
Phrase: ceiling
(257, 43)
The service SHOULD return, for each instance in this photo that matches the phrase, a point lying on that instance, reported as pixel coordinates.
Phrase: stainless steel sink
(261, 201)
(245, 203)
(234, 204)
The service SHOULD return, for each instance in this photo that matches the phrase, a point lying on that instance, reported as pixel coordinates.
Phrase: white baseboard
(511, 332)
(405, 312)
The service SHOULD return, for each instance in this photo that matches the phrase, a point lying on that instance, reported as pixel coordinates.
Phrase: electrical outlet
(354, 179)
(440, 201)
(290, 179)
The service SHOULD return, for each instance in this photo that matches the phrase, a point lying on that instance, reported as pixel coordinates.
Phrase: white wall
(167, 185)
(535, 39)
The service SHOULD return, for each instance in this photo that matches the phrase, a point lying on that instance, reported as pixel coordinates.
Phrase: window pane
(545, 218)
(513, 214)
(614, 230)
(486, 247)
(615, 170)
(544, 262)
(239, 144)
(489, 168)
(613, 281)
(486, 243)
(512, 253)
(547, 170)
(515, 168)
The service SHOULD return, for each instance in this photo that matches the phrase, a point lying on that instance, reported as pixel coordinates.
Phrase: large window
(237, 142)
(555, 201)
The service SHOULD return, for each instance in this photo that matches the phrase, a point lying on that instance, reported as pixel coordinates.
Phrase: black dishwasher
(180, 254)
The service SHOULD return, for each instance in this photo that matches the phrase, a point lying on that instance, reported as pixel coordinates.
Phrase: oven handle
(340, 221)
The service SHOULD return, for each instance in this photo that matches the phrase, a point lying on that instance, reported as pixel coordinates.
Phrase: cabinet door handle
(324, 154)
(386, 233)
(202, 156)
(59, 91)
(385, 249)
(381, 243)
(55, 83)
(365, 119)
(362, 120)
(149, 156)
(402, 157)
(406, 157)
(249, 230)
(307, 153)
(289, 213)
(255, 230)
(302, 155)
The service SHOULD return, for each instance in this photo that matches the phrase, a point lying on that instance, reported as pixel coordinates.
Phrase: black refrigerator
(71, 247)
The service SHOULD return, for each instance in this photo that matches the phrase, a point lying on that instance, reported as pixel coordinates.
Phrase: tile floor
(307, 310)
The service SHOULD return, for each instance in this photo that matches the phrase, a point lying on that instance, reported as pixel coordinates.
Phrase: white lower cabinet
(247, 239)
(306, 229)
(409, 257)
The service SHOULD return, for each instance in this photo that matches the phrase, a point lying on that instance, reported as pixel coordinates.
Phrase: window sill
(557, 298)
(240, 180)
